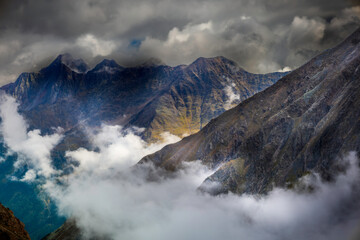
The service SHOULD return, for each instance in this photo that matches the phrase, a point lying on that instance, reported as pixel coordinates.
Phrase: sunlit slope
(303, 122)
(180, 100)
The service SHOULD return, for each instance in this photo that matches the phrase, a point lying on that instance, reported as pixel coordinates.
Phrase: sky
(260, 35)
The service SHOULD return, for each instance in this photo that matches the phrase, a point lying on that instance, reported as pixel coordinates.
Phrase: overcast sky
(261, 35)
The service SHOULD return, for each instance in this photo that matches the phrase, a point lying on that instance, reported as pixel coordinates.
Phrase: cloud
(262, 36)
(285, 69)
(233, 97)
(126, 206)
(32, 147)
(306, 30)
(110, 197)
(117, 149)
(97, 46)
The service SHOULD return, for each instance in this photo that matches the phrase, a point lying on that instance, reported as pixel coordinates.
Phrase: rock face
(69, 231)
(304, 122)
(10, 227)
(159, 98)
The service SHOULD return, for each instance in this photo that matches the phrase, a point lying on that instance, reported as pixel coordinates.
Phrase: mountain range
(305, 122)
(276, 132)
(159, 98)
(152, 96)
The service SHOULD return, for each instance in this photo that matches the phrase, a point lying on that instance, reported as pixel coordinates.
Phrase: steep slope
(10, 227)
(200, 92)
(158, 98)
(304, 122)
(69, 231)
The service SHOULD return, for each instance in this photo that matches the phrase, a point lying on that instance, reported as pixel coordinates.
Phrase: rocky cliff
(304, 122)
(10, 227)
(159, 98)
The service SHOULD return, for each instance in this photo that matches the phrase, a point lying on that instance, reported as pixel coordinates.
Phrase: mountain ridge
(271, 137)
(180, 100)
(92, 93)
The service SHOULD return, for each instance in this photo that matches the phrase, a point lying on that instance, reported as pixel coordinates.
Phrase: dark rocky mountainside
(10, 227)
(69, 231)
(304, 122)
(159, 98)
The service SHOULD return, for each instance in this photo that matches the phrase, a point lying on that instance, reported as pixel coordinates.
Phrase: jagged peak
(76, 65)
(151, 62)
(205, 62)
(107, 65)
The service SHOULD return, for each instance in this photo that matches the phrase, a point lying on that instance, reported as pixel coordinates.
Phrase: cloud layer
(33, 149)
(262, 36)
(109, 197)
(122, 204)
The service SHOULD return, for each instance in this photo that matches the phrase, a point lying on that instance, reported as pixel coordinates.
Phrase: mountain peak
(213, 60)
(151, 62)
(203, 62)
(77, 65)
(107, 65)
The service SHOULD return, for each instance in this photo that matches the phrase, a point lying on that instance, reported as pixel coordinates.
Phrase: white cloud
(191, 41)
(126, 206)
(233, 97)
(29, 176)
(32, 147)
(285, 69)
(245, 17)
(108, 196)
(117, 149)
(96, 46)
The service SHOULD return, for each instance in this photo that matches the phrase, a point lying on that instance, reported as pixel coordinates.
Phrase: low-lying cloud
(124, 205)
(233, 98)
(33, 149)
(109, 197)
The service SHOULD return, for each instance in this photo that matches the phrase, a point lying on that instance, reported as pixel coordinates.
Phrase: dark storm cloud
(260, 35)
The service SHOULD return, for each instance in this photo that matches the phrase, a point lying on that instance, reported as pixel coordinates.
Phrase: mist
(33, 149)
(109, 197)
(233, 98)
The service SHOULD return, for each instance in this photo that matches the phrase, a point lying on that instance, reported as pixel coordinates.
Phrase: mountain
(10, 227)
(76, 65)
(156, 97)
(68, 231)
(159, 98)
(304, 122)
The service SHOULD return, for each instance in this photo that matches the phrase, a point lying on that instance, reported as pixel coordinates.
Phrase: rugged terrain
(180, 100)
(158, 98)
(304, 122)
(10, 227)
